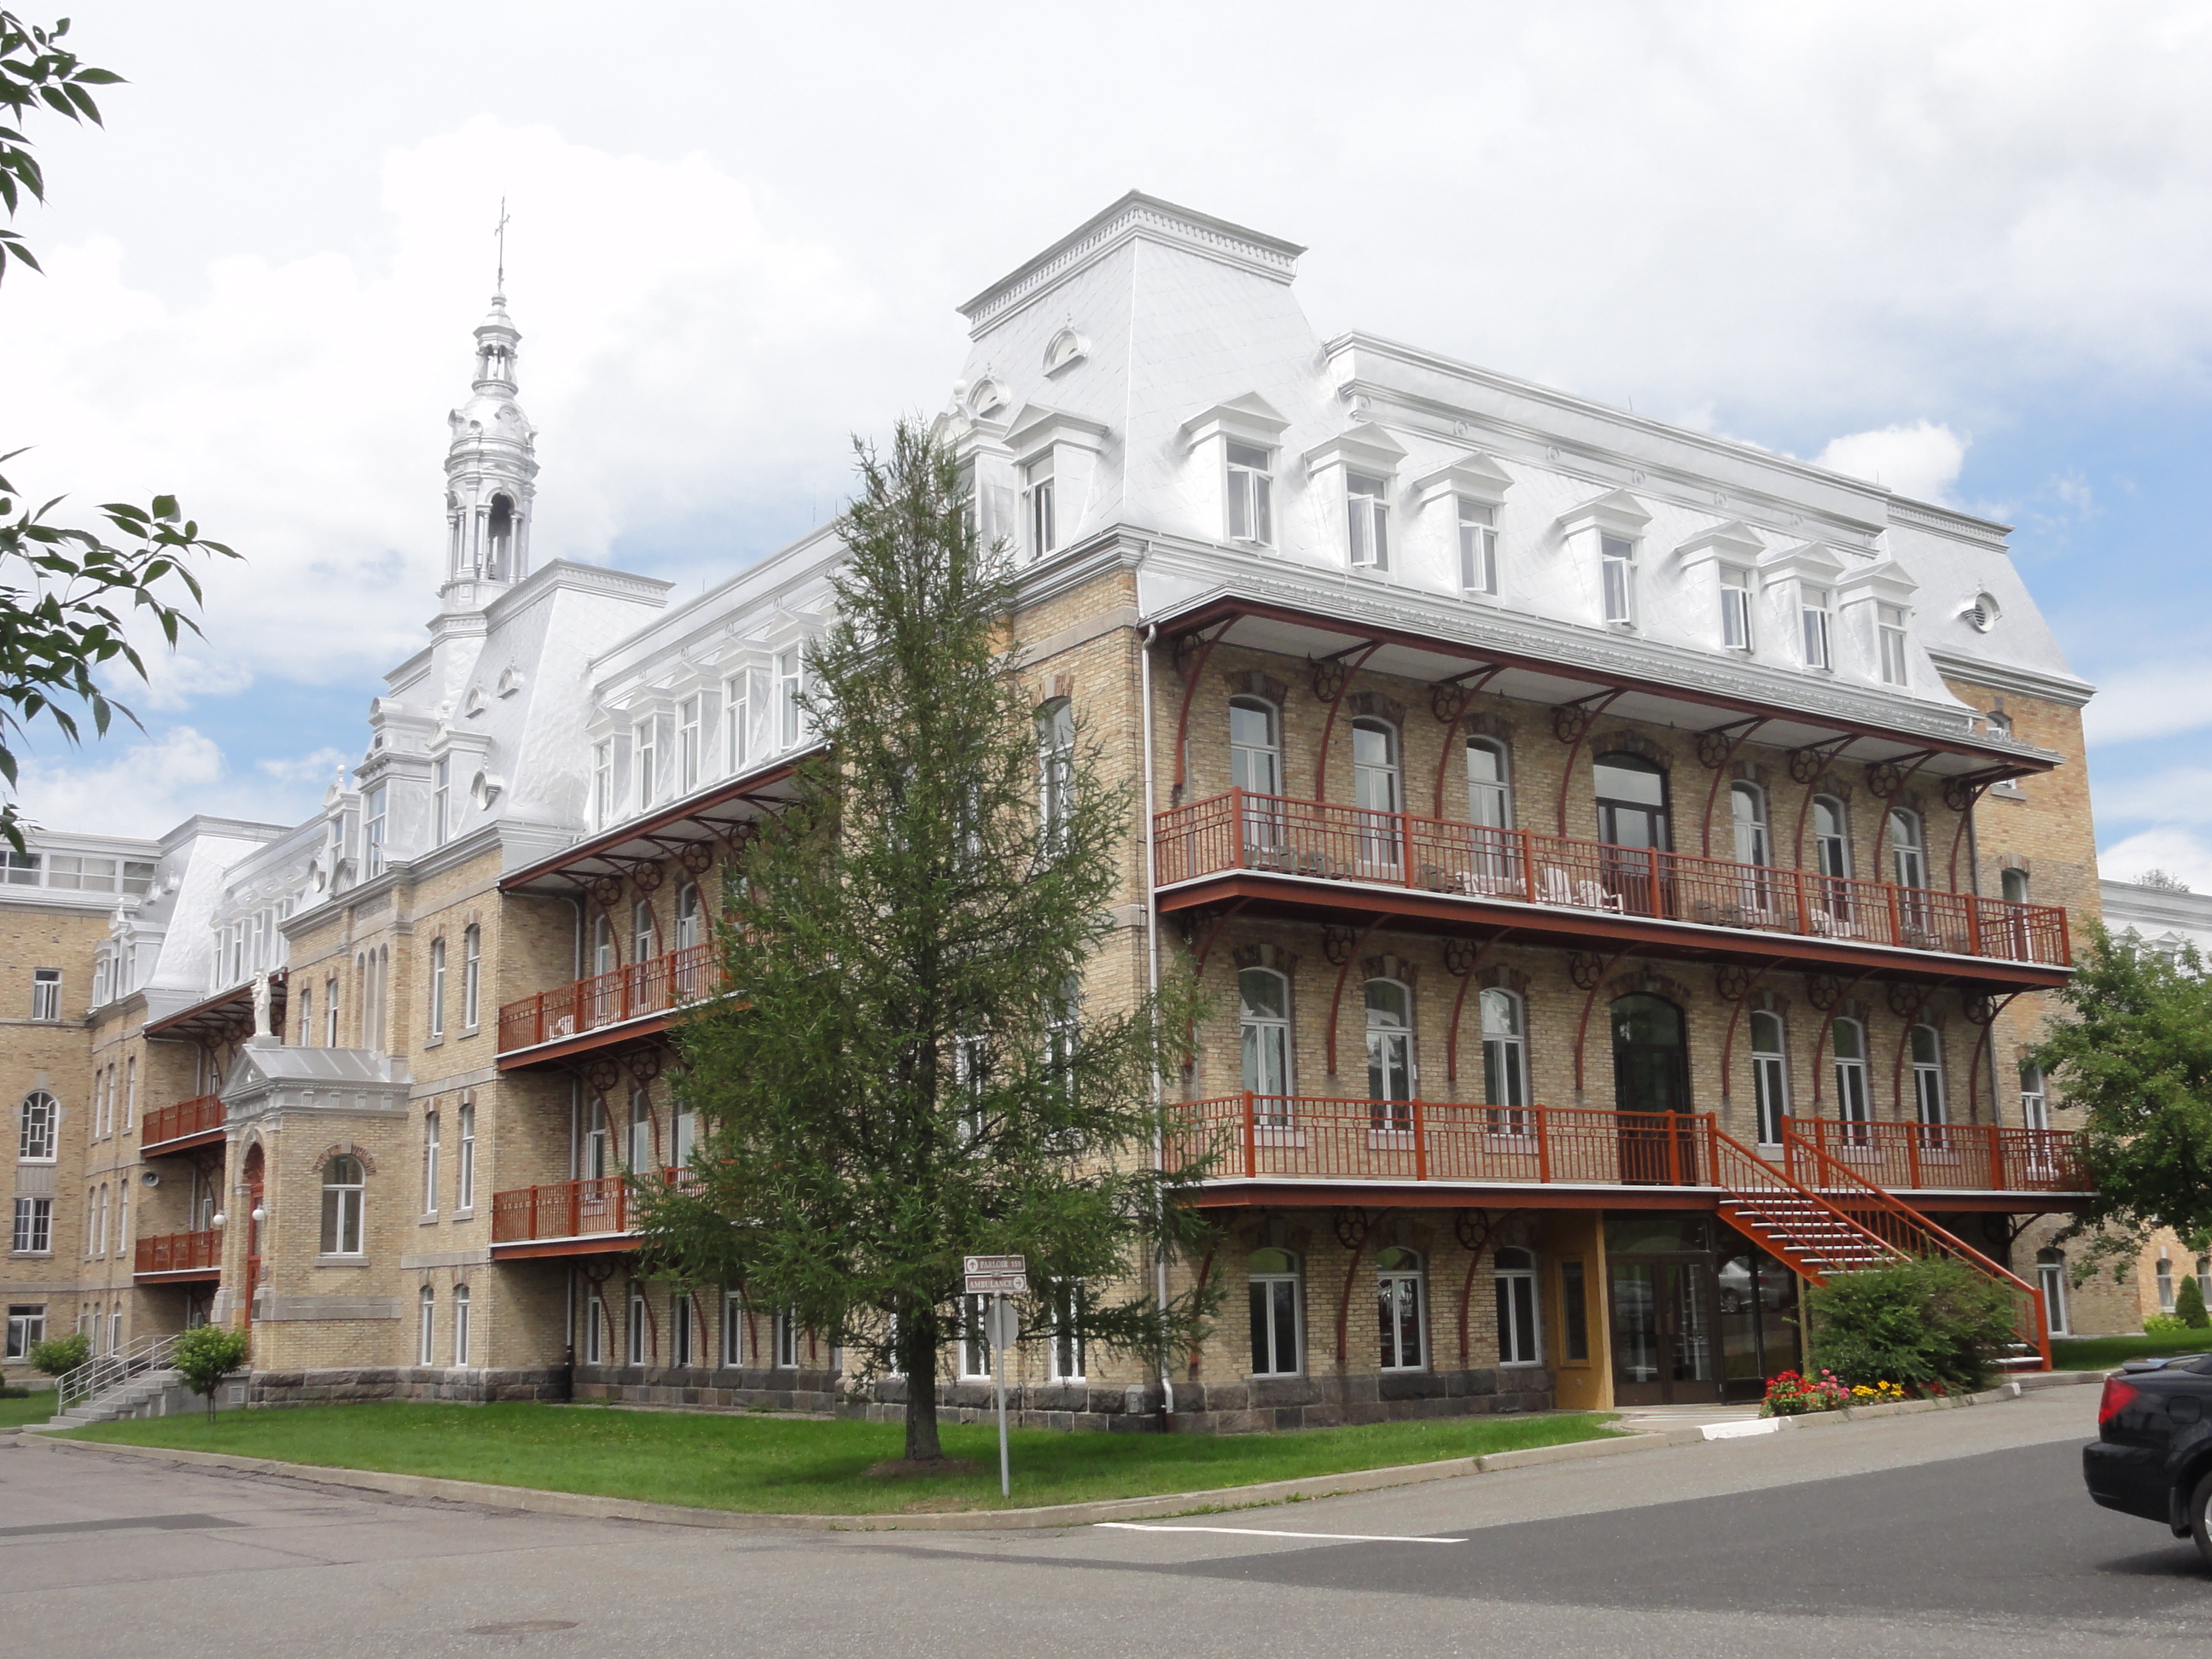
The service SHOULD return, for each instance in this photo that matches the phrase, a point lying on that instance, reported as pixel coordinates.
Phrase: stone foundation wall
(466, 1385)
(727, 1389)
(1326, 1402)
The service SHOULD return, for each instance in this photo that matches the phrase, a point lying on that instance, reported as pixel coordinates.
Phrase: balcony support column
(1716, 749)
(1582, 1030)
(1337, 669)
(1456, 695)
(1344, 972)
(1735, 1013)
(1203, 648)
(1459, 1003)
(1820, 1043)
(1570, 723)
(1808, 766)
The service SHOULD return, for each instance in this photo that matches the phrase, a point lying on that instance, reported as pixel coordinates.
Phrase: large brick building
(1628, 866)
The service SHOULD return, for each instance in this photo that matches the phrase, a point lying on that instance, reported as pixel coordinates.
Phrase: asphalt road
(1961, 1532)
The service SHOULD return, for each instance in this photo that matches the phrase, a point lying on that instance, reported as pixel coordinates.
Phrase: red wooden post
(1528, 864)
(1420, 1144)
(1652, 882)
(1251, 1140)
(1896, 923)
(1674, 1151)
(1913, 1153)
(1543, 1144)
(1974, 925)
(1804, 917)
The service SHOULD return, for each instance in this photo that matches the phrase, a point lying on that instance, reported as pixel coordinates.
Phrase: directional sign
(997, 1275)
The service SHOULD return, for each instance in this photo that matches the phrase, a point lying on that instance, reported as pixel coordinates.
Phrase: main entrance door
(1659, 1270)
(1651, 1088)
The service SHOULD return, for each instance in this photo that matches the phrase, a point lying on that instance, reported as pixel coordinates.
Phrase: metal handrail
(103, 1371)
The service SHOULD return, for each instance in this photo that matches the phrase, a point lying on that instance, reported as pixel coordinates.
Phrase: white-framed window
(641, 1159)
(100, 1223)
(2035, 1098)
(683, 1133)
(34, 1226)
(1390, 1053)
(21, 869)
(2164, 1274)
(1276, 1283)
(595, 1328)
(46, 994)
(426, 1326)
(1251, 495)
(429, 1164)
(2012, 886)
(26, 1328)
(974, 1338)
(680, 1333)
(690, 919)
(1817, 626)
(1928, 1076)
(102, 972)
(605, 955)
(1401, 1311)
(307, 1016)
(602, 782)
(1367, 520)
(1831, 854)
(441, 795)
(1519, 1342)
(1505, 1061)
(1616, 558)
(644, 933)
(41, 1116)
(1848, 1040)
(1735, 609)
(1747, 817)
(734, 1329)
(330, 1011)
(687, 756)
(1478, 546)
(1489, 785)
(1067, 1345)
(464, 1182)
(637, 1326)
(1770, 1076)
(736, 710)
(129, 1090)
(791, 687)
(787, 1340)
(644, 760)
(1256, 753)
(2050, 1279)
(471, 975)
(344, 1185)
(372, 837)
(1907, 859)
(1889, 632)
(1263, 1018)
(438, 987)
(1055, 733)
(1037, 509)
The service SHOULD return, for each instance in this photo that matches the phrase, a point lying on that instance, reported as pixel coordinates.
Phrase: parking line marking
(1261, 1532)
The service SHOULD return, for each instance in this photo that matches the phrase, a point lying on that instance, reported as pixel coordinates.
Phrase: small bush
(1931, 1325)
(205, 1355)
(2189, 1304)
(1791, 1395)
(57, 1354)
(2171, 1324)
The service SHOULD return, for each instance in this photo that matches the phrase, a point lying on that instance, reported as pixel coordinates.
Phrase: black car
(2153, 1455)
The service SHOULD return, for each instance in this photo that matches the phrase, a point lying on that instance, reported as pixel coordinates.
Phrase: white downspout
(1150, 632)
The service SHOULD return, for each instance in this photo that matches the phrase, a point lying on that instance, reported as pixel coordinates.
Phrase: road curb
(588, 1506)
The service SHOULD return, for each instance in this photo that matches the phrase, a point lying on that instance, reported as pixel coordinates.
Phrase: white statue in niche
(262, 1006)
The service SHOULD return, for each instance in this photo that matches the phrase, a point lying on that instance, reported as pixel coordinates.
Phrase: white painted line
(1739, 1430)
(1261, 1532)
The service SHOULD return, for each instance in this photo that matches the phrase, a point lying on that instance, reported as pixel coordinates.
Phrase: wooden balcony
(1267, 1147)
(179, 1128)
(630, 1002)
(1965, 1157)
(179, 1257)
(569, 1218)
(1286, 856)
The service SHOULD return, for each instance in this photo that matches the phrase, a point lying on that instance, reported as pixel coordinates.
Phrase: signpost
(999, 1276)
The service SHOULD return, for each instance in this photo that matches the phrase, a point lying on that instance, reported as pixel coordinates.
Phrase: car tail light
(2119, 1394)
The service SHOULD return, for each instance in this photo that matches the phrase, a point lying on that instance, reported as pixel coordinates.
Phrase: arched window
(1849, 1040)
(1263, 1018)
(1376, 791)
(689, 920)
(1277, 1286)
(684, 1133)
(1831, 838)
(1390, 1053)
(2165, 1275)
(429, 1164)
(426, 1325)
(592, 1155)
(640, 1140)
(1770, 1076)
(644, 933)
(2035, 1098)
(1928, 1076)
(1489, 786)
(1401, 1311)
(604, 950)
(1505, 1061)
(1748, 810)
(437, 988)
(1908, 863)
(1255, 766)
(460, 1324)
(344, 1183)
(1519, 1341)
(471, 975)
(35, 1144)
(1055, 733)
(2013, 885)
(499, 539)
(2050, 1279)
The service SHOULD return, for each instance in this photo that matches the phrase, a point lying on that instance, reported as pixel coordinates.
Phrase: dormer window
(1735, 609)
(603, 783)
(372, 837)
(687, 745)
(1818, 626)
(1617, 567)
(791, 673)
(643, 749)
(1478, 546)
(1367, 517)
(441, 778)
(1251, 495)
(1889, 630)
(1037, 506)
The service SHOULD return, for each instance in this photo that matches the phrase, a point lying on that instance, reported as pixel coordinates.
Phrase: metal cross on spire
(499, 231)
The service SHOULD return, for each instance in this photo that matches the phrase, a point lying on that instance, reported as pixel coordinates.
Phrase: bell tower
(491, 469)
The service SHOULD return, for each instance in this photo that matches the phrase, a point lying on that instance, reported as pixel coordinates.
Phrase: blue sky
(1975, 232)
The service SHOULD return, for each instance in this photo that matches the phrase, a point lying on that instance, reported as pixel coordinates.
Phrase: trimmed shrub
(205, 1355)
(2165, 1324)
(2188, 1303)
(57, 1354)
(1930, 1324)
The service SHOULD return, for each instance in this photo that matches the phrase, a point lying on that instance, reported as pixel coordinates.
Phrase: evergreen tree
(912, 1070)
(2136, 1057)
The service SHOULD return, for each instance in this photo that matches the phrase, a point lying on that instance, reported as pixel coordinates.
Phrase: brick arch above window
(1251, 683)
(1265, 956)
(1632, 743)
(347, 1149)
(1744, 771)
(1495, 726)
(1645, 983)
(1388, 966)
(1502, 977)
(1374, 705)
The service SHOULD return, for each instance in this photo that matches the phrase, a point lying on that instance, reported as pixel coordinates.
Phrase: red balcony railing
(196, 1116)
(657, 986)
(1950, 1157)
(569, 1209)
(1273, 833)
(179, 1253)
(1280, 1137)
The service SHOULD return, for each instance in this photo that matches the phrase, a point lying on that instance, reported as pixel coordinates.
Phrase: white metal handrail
(103, 1371)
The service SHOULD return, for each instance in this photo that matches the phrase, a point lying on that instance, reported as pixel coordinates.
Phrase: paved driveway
(1958, 1533)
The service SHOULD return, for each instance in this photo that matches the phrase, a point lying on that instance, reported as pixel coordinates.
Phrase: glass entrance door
(1759, 1328)
(1663, 1352)
(1651, 1090)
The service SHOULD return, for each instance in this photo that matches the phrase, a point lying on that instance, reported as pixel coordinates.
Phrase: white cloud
(319, 767)
(1921, 460)
(2185, 853)
(148, 787)
(2156, 700)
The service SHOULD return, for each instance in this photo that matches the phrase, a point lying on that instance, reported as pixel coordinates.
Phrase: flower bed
(1794, 1394)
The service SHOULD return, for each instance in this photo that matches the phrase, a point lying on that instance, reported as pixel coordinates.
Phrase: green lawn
(2100, 1354)
(36, 1409)
(798, 1465)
